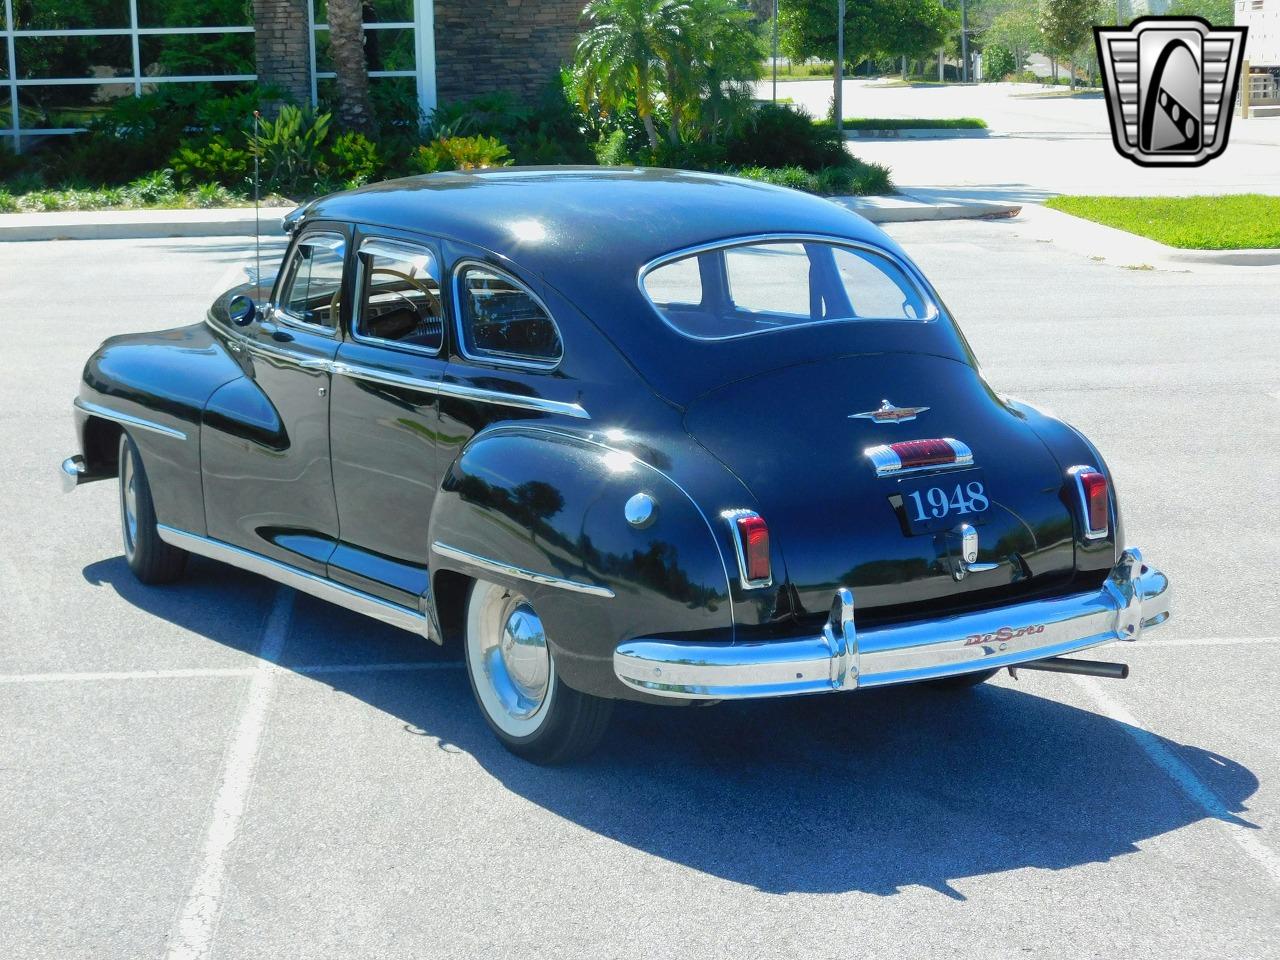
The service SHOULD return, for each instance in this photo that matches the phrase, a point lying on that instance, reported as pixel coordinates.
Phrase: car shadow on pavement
(870, 791)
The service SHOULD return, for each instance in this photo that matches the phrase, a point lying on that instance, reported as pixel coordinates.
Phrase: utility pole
(775, 48)
(839, 71)
(964, 39)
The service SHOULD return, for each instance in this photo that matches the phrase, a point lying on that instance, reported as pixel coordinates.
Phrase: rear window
(746, 288)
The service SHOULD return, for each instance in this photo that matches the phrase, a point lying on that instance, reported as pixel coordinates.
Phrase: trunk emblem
(888, 413)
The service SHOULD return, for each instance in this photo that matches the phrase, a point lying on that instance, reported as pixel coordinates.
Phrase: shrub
(781, 136)
(7, 202)
(461, 153)
(613, 150)
(214, 161)
(290, 150)
(211, 195)
(354, 160)
(154, 187)
(997, 62)
(797, 178)
(11, 164)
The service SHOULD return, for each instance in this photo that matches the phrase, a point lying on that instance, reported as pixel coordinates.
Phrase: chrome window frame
(358, 308)
(500, 360)
(278, 312)
(909, 271)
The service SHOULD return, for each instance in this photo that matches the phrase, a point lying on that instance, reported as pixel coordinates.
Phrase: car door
(384, 418)
(265, 440)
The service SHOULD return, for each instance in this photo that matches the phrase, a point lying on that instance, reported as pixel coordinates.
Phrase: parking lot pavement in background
(223, 768)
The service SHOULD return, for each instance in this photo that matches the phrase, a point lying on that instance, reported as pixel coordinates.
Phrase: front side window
(747, 288)
(314, 285)
(501, 319)
(400, 301)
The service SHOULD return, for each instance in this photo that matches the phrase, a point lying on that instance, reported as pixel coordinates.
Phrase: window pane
(877, 287)
(676, 282)
(75, 57)
(402, 295)
(383, 50)
(771, 286)
(501, 318)
(195, 13)
(769, 278)
(196, 54)
(81, 15)
(71, 105)
(316, 281)
(375, 11)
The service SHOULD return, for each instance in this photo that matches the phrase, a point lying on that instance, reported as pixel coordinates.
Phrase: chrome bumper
(1134, 596)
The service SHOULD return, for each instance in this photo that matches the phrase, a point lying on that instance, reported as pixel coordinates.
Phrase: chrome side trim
(97, 410)
(459, 390)
(542, 405)
(521, 573)
(733, 516)
(1135, 596)
(889, 464)
(317, 586)
(238, 340)
(908, 269)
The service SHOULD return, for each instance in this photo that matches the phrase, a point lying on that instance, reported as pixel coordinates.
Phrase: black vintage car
(618, 434)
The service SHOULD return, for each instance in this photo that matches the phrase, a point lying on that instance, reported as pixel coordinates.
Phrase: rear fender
(553, 504)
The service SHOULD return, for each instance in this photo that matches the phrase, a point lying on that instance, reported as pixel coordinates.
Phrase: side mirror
(242, 310)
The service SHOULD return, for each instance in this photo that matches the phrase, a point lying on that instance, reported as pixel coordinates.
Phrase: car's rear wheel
(513, 676)
(150, 558)
(962, 681)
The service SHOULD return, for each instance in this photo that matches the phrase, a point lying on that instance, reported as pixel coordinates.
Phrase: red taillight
(1093, 500)
(923, 453)
(752, 534)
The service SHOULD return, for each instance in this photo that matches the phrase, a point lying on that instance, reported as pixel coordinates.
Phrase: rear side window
(747, 288)
(400, 300)
(314, 284)
(502, 320)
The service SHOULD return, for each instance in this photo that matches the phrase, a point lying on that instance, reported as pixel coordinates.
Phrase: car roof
(588, 231)
(556, 221)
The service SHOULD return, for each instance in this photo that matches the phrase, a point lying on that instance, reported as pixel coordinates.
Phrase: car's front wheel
(150, 558)
(513, 676)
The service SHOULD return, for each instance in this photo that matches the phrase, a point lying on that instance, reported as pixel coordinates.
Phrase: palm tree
(346, 48)
(629, 50)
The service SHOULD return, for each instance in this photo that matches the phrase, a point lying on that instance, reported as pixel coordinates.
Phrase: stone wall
(513, 45)
(281, 52)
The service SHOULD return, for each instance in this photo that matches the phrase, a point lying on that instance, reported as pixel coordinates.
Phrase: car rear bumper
(1135, 596)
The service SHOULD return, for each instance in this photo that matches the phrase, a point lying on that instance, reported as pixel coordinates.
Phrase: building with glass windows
(62, 61)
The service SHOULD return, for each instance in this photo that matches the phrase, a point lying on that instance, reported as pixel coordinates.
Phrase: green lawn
(1246, 221)
(910, 123)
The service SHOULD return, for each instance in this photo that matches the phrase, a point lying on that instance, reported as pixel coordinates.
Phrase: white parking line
(1195, 789)
(193, 937)
(309, 670)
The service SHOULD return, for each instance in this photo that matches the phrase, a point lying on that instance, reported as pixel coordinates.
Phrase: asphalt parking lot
(225, 769)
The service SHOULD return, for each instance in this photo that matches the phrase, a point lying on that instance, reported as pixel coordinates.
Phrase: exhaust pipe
(1086, 668)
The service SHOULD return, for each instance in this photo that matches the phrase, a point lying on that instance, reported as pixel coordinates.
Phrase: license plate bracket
(943, 501)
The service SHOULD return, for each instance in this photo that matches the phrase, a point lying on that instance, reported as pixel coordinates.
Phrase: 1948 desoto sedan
(618, 434)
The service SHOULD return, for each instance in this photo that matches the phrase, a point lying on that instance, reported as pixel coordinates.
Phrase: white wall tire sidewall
(484, 607)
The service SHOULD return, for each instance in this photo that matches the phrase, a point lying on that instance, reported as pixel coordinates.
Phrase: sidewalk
(239, 221)
(139, 224)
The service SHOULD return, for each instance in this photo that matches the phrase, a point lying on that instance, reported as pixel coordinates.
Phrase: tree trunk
(346, 48)
(673, 126)
(1073, 73)
(647, 119)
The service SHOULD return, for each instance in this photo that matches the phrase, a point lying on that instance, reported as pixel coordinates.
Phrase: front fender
(552, 505)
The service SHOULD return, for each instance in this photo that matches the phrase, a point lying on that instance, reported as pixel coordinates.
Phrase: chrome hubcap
(519, 665)
(129, 502)
(510, 659)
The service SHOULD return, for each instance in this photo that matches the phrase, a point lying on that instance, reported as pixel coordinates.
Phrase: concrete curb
(923, 133)
(239, 221)
(1129, 250)
(904, 208)
(140, 224)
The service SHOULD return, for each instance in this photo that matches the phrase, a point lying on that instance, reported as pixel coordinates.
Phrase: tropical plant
(620, 58)
(215, 160)
(354, 160)
(290, 149)
(461, 153)
(346, 49)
